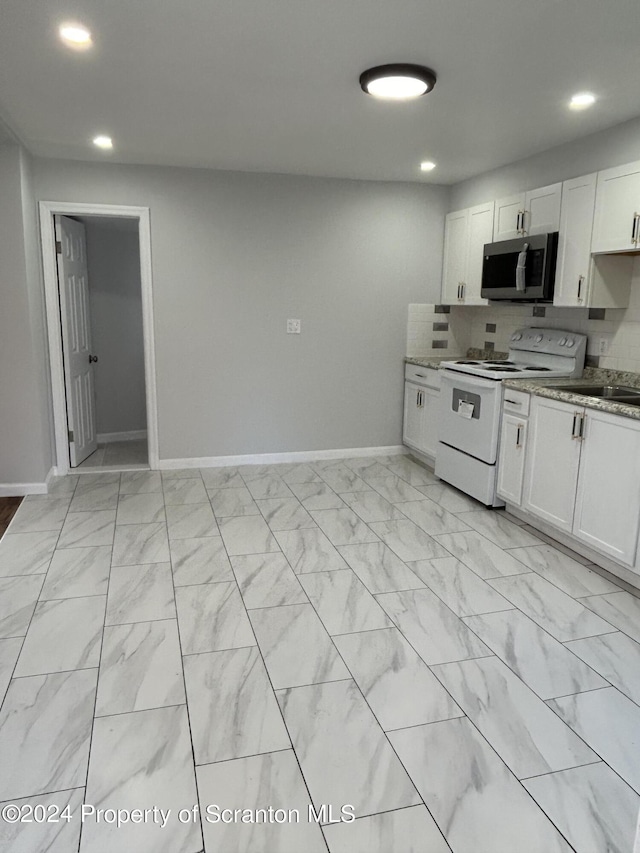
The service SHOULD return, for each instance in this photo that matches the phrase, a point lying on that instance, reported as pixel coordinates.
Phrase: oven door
(469, 414)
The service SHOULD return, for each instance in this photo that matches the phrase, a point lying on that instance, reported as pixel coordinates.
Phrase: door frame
(48, 209)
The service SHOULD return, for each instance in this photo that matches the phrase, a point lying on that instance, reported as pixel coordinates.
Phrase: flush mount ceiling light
(427, 165)
(75, 36)
(398, 82)
(582, 101)
(104, 142)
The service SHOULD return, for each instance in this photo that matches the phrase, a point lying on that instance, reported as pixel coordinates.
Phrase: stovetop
(532, 352)
(504, 369)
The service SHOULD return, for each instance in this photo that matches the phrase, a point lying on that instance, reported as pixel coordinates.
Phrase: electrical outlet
(603, 345)
(293, 327)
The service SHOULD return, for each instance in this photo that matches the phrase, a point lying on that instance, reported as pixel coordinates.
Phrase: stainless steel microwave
(520, 270)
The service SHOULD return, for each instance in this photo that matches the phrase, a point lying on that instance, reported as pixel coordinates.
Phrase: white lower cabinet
(582, 475)
(607, 514)
(420, 425)
(552, 464)
(513, 443)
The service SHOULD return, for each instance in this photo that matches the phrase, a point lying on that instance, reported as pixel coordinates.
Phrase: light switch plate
(293, 327)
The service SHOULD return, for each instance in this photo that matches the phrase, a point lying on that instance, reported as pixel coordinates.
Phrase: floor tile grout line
(551, 637)
(273, 691)
(563, 770)
(55, 672)
(384, 734)
(578, 735)
(140, 710)
(43, 794)
(552, 582)
(97, 685)
(184, 683)
(45, 573)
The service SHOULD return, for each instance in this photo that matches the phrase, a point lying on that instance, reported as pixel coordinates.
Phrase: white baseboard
(20, 490)
(132, 435)
(275, 458)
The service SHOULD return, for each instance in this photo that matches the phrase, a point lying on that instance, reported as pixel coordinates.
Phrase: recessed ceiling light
(104, 142)
(582, 100)
(75, 36)
(427, 166)
(398, 82)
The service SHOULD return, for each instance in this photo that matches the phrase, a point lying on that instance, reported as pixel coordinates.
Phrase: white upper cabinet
(584, 281)
(542, 210)
(574, 243)
(480, 232)
(508, 217)
(456, 239)
(533, 212)
(466, 232)
(617, 220)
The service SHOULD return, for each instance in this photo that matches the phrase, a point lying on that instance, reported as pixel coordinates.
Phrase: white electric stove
(471, 402)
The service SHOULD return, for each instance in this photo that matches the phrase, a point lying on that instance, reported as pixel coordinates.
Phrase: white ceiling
(272, 85)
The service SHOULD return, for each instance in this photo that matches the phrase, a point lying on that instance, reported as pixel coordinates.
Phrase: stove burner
(503, 369)
(537, 368)
(500, 361)
(467, 362)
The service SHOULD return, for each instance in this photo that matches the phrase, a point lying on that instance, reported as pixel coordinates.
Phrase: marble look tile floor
(304, 637)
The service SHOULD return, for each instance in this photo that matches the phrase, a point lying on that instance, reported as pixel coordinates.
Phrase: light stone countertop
(433, 362)
(552, 388)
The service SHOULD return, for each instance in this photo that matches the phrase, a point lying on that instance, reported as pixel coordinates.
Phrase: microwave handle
(521, 267)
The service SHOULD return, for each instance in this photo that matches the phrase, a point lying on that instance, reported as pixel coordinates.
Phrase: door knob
(92, 358)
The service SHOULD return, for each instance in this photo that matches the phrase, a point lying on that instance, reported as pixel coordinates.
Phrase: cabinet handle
(574, 434)
(583, 418)
(515, 402)
(580, 280)
(421, 375)
(634, 227)
(519, 435)
(522, 223)
(462, 289)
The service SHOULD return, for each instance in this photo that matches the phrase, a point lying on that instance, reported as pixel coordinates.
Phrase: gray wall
(613, 147)
(235, 255)
(115, 301)
(25, 428)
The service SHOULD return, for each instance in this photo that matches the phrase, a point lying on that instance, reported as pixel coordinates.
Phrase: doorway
(97, 272)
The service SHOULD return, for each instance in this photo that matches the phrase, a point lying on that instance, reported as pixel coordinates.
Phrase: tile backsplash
(619, 329)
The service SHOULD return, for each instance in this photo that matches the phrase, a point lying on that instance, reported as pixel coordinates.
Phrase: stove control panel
(548, 341)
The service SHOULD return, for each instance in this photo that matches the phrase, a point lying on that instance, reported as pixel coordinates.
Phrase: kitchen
(287, 616)
(531, 468)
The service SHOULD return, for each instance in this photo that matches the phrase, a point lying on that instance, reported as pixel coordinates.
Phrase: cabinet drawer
(422, 375)
(516, 402)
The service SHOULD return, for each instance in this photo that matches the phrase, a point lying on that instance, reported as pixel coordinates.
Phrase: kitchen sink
(615, 393)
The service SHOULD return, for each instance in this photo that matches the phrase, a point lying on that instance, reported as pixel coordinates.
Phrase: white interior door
(76, 338)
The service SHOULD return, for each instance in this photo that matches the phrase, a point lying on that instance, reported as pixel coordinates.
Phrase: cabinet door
(412, 424)
(429, 422)
(480, 232)
(506, 218)
(542, 209)
(511, 458)
(574, 242)
(553, 457)
(456, 235)
(607, 515)
(617, 208)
